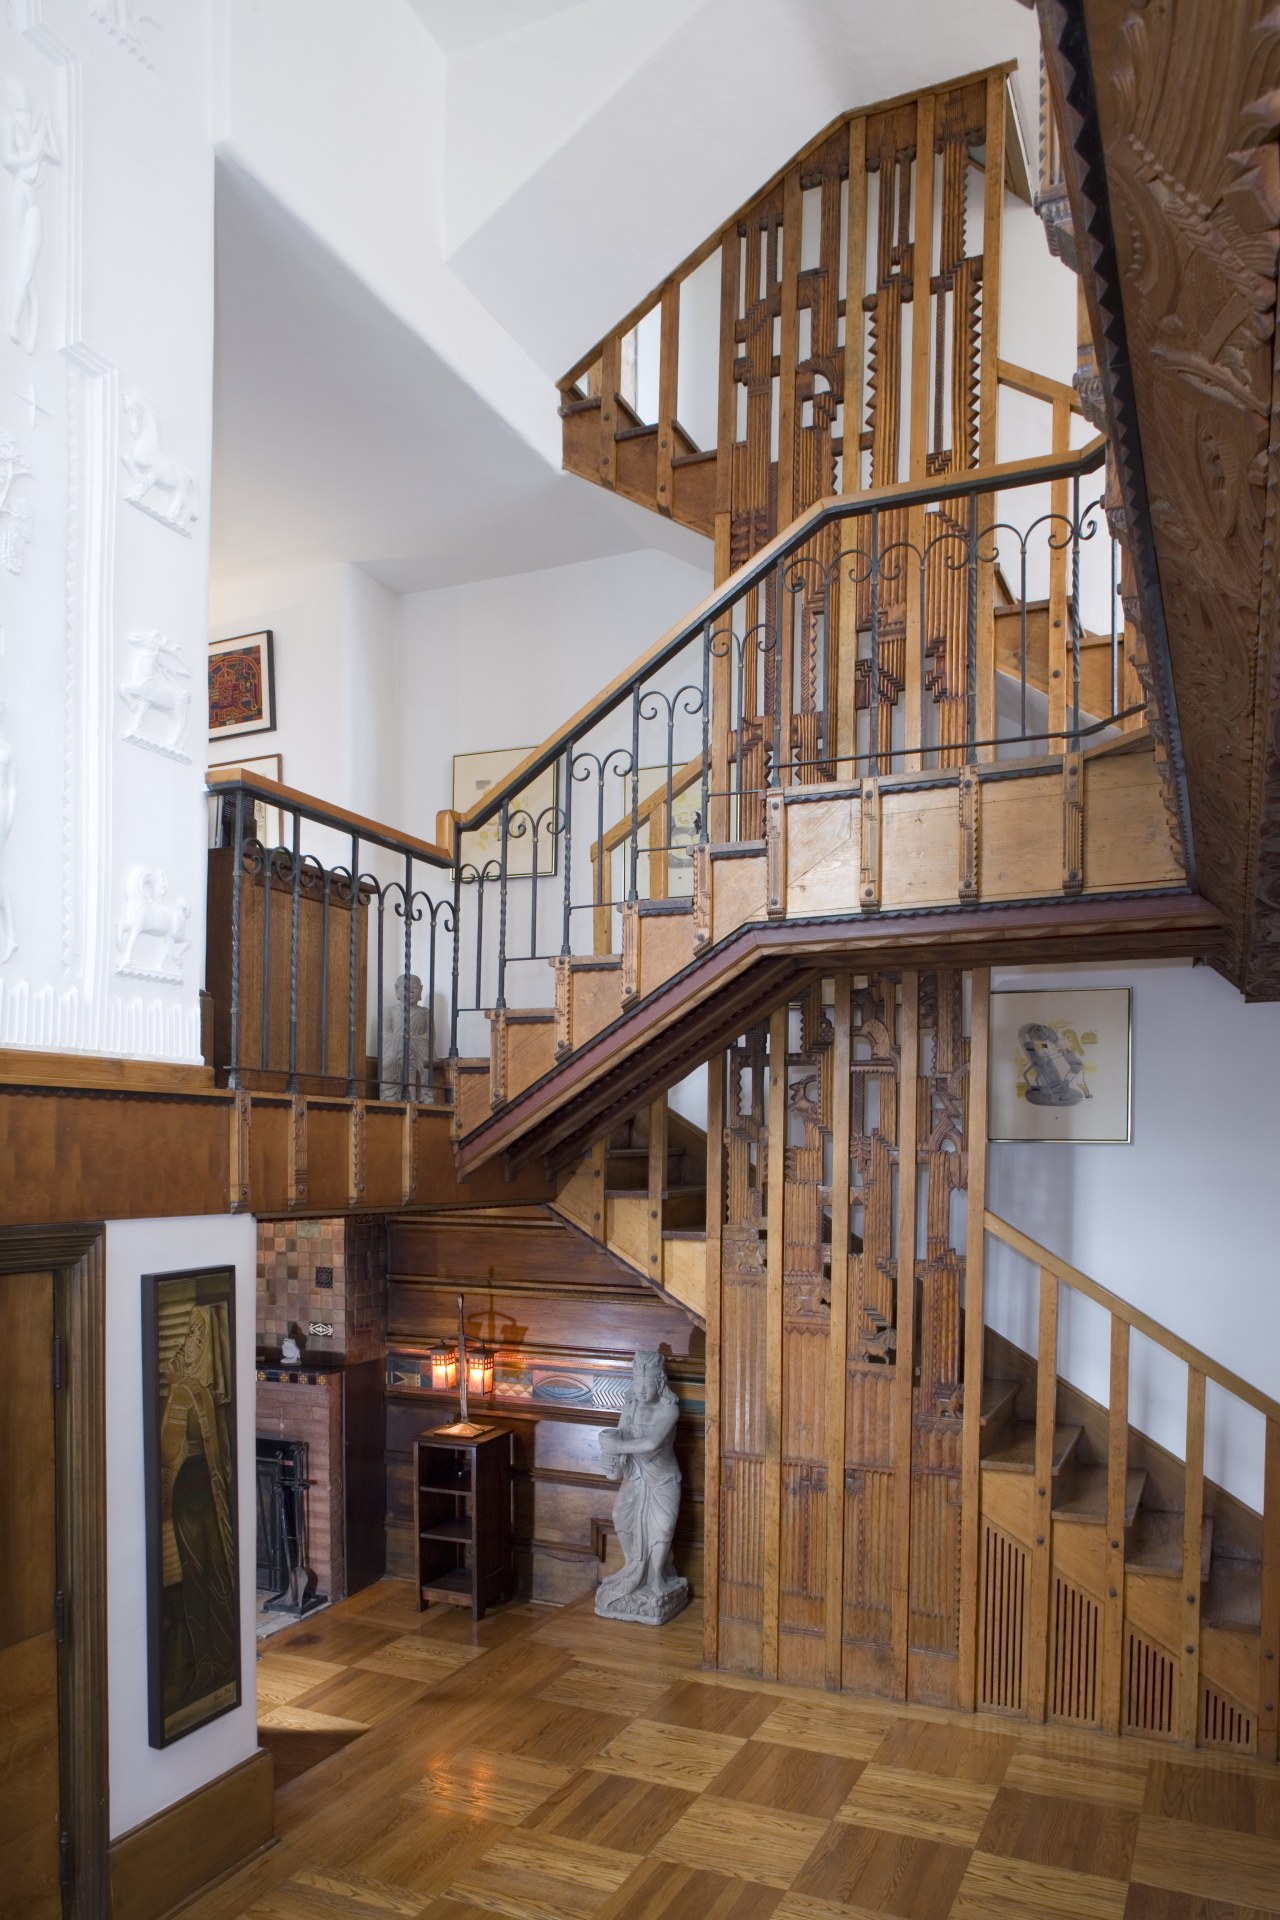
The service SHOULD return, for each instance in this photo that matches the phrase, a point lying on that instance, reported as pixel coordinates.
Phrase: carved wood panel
(1172, 121)
(880, 1063)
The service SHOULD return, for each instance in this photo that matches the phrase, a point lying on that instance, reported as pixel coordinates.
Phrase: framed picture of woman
(189, 1444)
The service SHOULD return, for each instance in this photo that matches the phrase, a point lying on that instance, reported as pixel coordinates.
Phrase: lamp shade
(479, 1369)
(444, 1369)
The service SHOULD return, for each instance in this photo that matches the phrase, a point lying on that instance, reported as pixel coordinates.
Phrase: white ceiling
(340, 435)
(462, 23)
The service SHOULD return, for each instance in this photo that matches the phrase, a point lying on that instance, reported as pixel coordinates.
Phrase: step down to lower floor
(1017, 1454)
(1156, 1544)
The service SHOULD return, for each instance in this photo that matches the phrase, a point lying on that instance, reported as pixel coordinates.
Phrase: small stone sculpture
(640, 1451)
(408, 998)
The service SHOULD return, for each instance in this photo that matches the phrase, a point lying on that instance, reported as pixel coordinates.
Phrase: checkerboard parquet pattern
(551, 1766)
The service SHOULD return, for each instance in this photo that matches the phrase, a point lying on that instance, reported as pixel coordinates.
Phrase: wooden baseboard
(33, 1067)
(162, 1863)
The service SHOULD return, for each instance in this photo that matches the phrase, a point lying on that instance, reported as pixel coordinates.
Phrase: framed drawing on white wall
(473, 775)
(1060, 1065)
(265, 822)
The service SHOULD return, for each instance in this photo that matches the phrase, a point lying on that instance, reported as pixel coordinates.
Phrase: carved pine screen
(845, 1164)
(859, 302)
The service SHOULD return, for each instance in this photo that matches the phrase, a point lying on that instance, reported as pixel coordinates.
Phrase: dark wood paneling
(541, 1291)
(365, 1464)
(81, 1155)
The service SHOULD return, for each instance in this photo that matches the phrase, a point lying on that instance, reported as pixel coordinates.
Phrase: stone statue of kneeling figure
(640, 1451)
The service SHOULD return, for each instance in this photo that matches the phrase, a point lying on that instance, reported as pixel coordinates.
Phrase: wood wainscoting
(565, 1317)
(161, 1863)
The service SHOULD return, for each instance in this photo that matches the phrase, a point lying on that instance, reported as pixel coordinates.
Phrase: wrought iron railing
(911, 630)
(315, 918)
(970, 618)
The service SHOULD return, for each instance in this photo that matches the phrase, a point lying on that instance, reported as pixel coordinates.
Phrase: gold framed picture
(474, 775)
(1060, 1065)
(189, 1447)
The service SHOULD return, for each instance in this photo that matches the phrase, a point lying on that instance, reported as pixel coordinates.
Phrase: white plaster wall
(122, 206)
(1181, 1222)
(501, 663)
(340, 112)
(337, 668)
(143, 1779)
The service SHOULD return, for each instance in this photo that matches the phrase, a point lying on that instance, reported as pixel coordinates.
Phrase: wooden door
(29, 1777)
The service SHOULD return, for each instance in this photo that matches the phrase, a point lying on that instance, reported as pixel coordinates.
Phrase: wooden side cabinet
(462, 1519)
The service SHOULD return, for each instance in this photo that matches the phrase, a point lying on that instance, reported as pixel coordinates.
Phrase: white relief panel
(156, 482)
(158, 695)
(29, 146)
(152, 936)
(16, 511)
(8, 807)
(127, 26)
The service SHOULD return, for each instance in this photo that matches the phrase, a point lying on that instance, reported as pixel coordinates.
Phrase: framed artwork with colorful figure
(189, 1455)
(1060, 1065)
(242, 686)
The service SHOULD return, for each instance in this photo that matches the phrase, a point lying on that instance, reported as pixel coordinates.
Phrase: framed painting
(242, 686)
(268, 821)
(189, 1451)
(473, 776)
(1060, 1065)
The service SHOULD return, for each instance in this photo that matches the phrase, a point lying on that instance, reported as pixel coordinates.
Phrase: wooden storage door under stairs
(823, 1381)
(29, 1764)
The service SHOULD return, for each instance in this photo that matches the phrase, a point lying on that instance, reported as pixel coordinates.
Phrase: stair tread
(1156, 1544)
(1233, 1595)
(1019, 1454)
(996, 1396)
(1085, 1500)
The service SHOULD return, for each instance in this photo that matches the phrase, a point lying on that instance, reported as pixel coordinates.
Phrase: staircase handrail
(323, 813)
(1133, 1316)
(897, 495)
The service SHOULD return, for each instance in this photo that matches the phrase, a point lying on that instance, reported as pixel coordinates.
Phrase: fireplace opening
(285, 1575)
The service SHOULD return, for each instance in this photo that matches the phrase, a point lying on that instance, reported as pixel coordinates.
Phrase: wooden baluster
(1042, 1499)
(974, 1269)
(904, 1369)
(1192, 1529)
(1269, 1637)
(838, 1333)
(917, 468)
(775, 1249)
(657, 1182)
(610, 380)
(711, 1440)
(988, 402)
(1113, 1561)
(668, 393)
(718, 820)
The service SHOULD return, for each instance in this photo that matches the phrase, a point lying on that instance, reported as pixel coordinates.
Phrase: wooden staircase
(904, 866)
(1119, 1588)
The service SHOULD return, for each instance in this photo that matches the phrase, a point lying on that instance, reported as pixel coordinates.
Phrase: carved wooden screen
(815, 1347)
(854, 353)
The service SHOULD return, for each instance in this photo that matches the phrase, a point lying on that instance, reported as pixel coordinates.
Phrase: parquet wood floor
(546, 1765)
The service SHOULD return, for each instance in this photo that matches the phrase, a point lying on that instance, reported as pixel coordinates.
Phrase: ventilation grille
(1224, 1723)
(1074, 1693)
(1150, 1700)
(1002, 1622)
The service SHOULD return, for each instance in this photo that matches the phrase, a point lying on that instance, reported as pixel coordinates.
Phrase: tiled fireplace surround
(328, 1273)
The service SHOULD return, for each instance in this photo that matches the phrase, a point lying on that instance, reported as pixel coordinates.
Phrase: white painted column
(106, 401)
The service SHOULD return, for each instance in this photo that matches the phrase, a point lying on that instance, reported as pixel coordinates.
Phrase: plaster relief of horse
(158, 484)
(159, 930)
